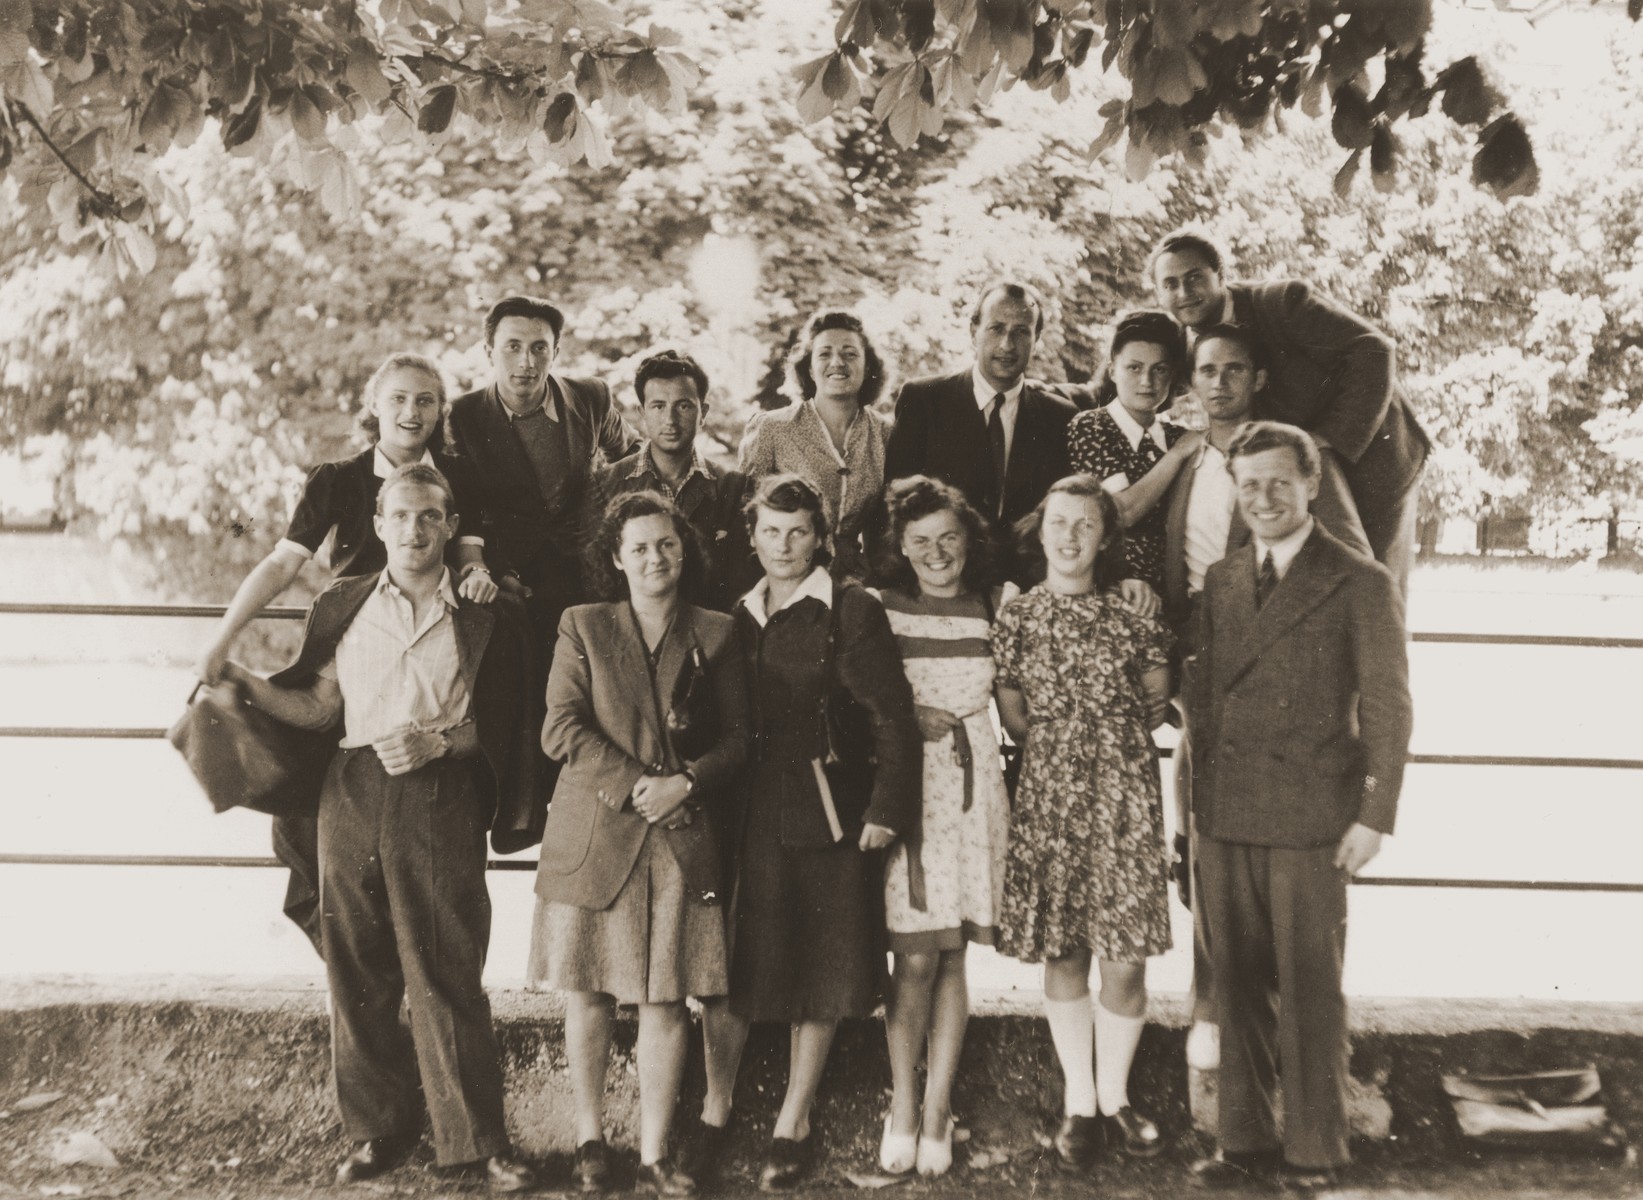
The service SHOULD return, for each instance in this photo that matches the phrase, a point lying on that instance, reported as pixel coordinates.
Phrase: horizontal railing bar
(282, 613)
(287, 613)
(1422, 760)
(1528, 639)
(512, 864)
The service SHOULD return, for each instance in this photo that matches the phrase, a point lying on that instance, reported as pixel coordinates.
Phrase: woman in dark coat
(647, 710)
(827, 697)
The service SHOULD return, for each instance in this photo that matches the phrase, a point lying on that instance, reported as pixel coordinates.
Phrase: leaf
(438, 107)
(1505, 161)
(365, 76)
(16, 19)
(1138, 159)
(309, 121)
(1347, 173)
(26, 83)
(1353, 122)
(643, 76)
(242, 126)
(891, 89)
(475, 13)
(1383, 159)
(559, 122)
(918, 24)
(1110, 133)
(813, 101)
(1634, 9)
(1467, 97)
(159, 121)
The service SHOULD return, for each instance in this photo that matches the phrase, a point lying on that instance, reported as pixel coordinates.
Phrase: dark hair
(1257, 437)
(798, 361)
(523, 306)
(367, 419)
(1188, 240)
(1012, 289)
(1152, 327)
(422, 475)
(1109, 559)
(1239, 335)
(914, 498)
(784, 492)
(608, 582)
(669, 364)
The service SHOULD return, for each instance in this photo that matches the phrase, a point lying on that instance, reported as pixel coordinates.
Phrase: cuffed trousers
(1277, 924)
(404, 911)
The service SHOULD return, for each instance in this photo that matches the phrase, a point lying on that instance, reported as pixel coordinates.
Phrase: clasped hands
(659, 798)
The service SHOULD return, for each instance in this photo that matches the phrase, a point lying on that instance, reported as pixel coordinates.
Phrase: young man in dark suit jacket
(426, 691)
(1301, 715)
(1328, 370)
(987, 431)
(532, 439)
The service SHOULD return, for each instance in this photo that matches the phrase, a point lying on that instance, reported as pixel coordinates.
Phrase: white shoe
(935, 1155)
(1204, 1046)
(898, 1152)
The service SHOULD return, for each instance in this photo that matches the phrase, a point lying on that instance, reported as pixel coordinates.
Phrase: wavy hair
(367, 419)
(874, 376)
(919, 496)
(1151, 327)
(608, 582)
(785, 492)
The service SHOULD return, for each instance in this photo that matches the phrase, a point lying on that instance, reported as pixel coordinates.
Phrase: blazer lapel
(1308, 583)
(1175, 537)
(672, 662)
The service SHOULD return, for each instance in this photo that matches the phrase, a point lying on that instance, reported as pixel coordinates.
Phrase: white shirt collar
(381, 467)
(984, 391)
(817, 585)
(1132, 429)
(445, 591)
(1285, 549)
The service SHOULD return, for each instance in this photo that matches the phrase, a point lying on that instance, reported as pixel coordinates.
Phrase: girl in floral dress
(1081, 681)
(943, 891)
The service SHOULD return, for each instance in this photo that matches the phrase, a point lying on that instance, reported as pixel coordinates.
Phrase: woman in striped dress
(943, 890)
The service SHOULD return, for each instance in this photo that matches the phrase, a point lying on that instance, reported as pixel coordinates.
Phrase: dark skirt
(809, 935)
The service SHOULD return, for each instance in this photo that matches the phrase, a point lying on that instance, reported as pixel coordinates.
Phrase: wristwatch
(690, 778)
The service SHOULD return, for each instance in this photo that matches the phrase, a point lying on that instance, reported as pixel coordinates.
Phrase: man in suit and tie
(986, 430)
(1301, 715)
(532, 437)
(1202, 526)
(1328, 370)
(425, 691)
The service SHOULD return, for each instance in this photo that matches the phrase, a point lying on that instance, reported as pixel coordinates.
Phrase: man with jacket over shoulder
(428, 689)
(1299, 698)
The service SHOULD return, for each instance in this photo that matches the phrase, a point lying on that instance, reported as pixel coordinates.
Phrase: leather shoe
(592, 1165)
(785, 1164)
(1077, 1142)
(664, 1178)
(505, 1173)
(703, 1149)
(376, 1157)
(1137, 1136)
(1308, 1179)
(1233, 1169)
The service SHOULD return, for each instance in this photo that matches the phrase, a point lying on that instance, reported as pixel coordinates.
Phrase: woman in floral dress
(1081, 681)
(942, 891)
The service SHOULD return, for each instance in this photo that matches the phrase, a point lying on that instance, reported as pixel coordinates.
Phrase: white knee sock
(1116, 1038)
(1070, 1031)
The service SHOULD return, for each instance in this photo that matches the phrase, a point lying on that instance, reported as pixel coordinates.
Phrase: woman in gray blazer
(646, 708)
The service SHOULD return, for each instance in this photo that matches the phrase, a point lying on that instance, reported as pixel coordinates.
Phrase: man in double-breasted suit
(986, 430)
(1299, 693)
(531, 439)
(1202, 526)
(1328, 370)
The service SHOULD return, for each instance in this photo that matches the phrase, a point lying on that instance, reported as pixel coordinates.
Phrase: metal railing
(289, 613)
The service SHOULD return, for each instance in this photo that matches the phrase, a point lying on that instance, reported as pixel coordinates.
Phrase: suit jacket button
(1283, 704)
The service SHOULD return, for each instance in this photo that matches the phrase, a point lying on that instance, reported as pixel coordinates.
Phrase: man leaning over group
(428, 690)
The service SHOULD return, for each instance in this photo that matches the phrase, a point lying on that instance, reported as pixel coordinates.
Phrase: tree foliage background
(185, 402)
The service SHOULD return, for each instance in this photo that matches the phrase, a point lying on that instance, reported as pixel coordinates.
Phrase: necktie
(1148, 452)
(1265, 579)
(995, 441)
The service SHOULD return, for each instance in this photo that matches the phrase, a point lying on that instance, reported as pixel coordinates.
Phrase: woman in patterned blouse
(831, 435)
(1121, 441)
